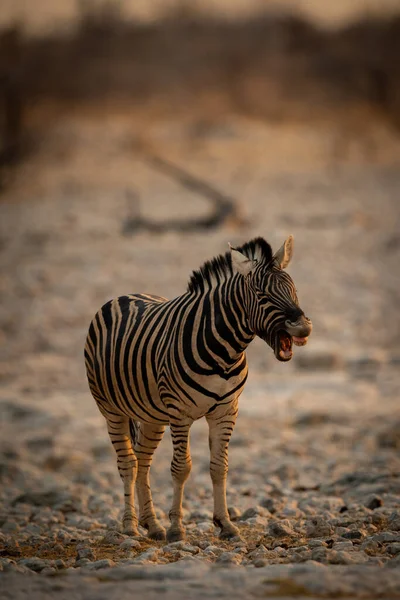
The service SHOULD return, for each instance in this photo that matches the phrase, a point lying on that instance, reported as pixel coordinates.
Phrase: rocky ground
(314, 481)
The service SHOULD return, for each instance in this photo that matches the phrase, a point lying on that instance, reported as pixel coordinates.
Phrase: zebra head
(272, 306)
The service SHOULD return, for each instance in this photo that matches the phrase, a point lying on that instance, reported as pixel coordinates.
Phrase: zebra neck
(224, 330)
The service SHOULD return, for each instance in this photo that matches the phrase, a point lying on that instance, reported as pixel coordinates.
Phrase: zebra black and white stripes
(153, 362)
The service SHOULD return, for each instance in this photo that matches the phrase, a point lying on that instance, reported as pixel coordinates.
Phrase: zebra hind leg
(118, 430)
(146, 438)
(180, 469)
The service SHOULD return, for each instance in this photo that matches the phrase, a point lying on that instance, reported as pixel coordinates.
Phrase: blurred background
(137, 139)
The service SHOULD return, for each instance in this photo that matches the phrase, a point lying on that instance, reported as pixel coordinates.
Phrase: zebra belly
(218, 394)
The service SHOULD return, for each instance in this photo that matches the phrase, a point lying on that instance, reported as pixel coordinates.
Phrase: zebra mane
(220, 267)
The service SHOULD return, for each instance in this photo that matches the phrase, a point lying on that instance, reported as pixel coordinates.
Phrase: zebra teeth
(300, 341)
(283, 346)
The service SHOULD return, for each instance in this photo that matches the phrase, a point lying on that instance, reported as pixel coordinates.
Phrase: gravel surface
(314, 480)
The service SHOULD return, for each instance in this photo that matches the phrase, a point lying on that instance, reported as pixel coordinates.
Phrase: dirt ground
(316, 447)
(314, 462)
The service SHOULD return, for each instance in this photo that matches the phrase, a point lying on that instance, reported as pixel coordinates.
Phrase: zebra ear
(241, 263)
(284, 255)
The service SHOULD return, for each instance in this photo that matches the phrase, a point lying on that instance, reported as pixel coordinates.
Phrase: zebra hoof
(175, 535)
(130, 530)
(157, 534)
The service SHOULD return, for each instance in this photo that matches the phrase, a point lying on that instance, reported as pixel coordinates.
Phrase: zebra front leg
(220, 431)
(118, 430)
(149, 436)
(180, 469)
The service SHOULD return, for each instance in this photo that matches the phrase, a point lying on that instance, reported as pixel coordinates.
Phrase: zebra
(153, 362)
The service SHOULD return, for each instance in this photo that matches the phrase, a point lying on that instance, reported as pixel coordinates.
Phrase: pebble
(84, 552)
(259, 562)
(373, 502)
(34, 564)
(104, 563)
(318, 527)
(316, 544)
(234, 513)
(113, 538)
(255, 511)
(394, 548)
(149, 555)
(129, 544)
(204, 527)
(320, 554)
(394, 521)
(279, 529)
(214, 550)
(229, 558)
(273, 505)
(200, 515)
(343, 546)
(10, 527)
(354, 534)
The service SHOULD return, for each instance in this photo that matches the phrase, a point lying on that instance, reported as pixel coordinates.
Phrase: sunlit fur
(152, 362)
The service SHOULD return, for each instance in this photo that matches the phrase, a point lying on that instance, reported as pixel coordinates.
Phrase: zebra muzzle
(300, 330)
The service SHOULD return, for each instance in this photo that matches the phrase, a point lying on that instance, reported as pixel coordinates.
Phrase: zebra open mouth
(284, 342)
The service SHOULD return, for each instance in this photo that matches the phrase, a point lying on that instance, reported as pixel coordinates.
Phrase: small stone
(394, 521)
(190, 549)
(200, 515)
(229, 558)
(378, 519)
(369, 546)
(303, 556)
(215, 550)
(82, 562)
(104, 563)
(48, 571)
(260, 552)
(259, 562)
(240, 550)
(354, 534)
(318, 527)
(254, 512)
(279, 529)
(10, 527)
(34, 563)
(343, 546)
(257, 521)
(60, 564)
(112, 523)
(320, 554)
(205, 527)
(373, 501)
(316, 544)
(339, 558)
(113, 538)
(273, 505)
(385, 537)
(129, 543)
(149, 555)
(394, 548)
(85, 552)
(234, 513)
(11, 548)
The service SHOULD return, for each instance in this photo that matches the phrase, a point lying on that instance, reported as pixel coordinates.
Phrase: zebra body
(153, 362)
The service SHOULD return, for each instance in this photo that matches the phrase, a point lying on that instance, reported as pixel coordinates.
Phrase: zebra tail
(134, 428)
